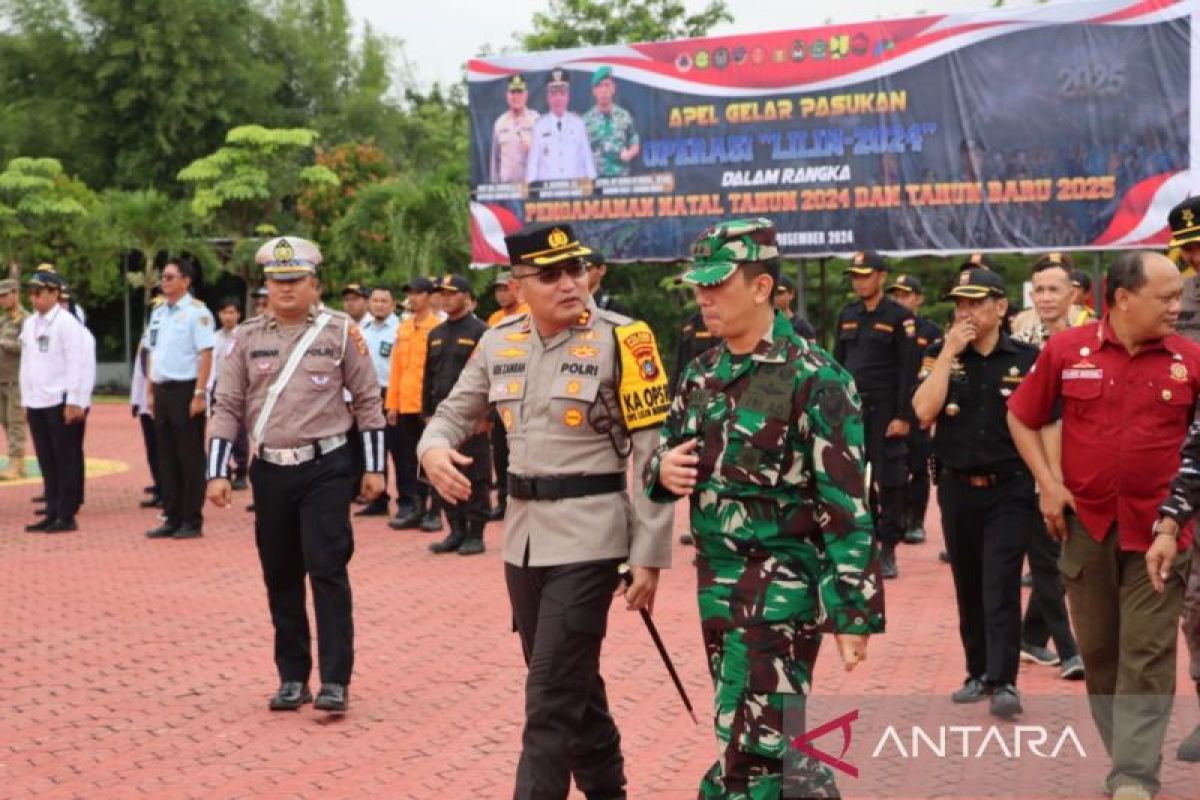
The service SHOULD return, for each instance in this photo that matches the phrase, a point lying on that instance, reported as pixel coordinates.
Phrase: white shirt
(58, 361)
(560, 149)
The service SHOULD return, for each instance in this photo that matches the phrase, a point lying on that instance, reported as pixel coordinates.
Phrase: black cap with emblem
(1184, 220)
(978, 261)
(976, 284)
(909, 284)
(544, 245)
(866, 262)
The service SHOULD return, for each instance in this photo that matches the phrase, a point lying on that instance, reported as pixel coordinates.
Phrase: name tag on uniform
(385, 349)
(43, 342)
(1082, 374)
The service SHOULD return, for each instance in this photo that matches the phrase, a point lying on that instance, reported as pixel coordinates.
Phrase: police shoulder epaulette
(196, 301)
(253, 321)
(613, 317)
(511, 320)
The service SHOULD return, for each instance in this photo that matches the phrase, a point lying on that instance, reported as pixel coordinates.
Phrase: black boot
(452, 542)
(431, 522)
(473, 544)
(887, 562)
(408, 518)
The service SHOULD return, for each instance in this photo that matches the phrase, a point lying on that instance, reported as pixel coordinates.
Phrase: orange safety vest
(407, 373)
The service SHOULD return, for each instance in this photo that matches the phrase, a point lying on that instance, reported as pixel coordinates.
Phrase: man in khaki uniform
(580, 391)
(282, 376)
(512, 135)
(12, 418)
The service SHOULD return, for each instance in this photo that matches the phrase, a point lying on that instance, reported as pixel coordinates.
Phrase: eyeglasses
(552, 275)
(171, 276)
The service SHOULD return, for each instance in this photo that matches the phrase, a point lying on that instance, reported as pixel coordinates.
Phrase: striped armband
(373, 451)
(219, 451)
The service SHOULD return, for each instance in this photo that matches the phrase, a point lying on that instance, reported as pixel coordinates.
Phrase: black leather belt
(521, 487)
(980, 480)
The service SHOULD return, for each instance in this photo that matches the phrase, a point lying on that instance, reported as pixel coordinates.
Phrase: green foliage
(578, 23)
(37, 205)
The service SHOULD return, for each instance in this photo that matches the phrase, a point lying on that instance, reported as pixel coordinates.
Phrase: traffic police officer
(907, 291)
(560, 143)
(179, 343)
(451, 345)
(283, 377)
(1184, 220)
(877, 343)
(985, 491)
(580, 390)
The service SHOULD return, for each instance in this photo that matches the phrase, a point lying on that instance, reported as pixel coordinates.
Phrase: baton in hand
(627, 577)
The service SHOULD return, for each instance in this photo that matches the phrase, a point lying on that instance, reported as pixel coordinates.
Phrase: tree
(578, 23)
(249, 187)
(357, 165)
(37, 200)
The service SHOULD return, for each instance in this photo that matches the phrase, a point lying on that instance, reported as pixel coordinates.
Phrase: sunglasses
(552, 275)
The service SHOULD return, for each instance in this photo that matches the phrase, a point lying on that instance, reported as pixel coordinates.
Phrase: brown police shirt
(556, 399)
(311, 405)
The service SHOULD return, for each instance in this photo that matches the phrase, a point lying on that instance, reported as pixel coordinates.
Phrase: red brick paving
(136, 668)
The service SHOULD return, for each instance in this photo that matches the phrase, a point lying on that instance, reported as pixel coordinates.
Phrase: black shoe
(39, 527)
(973, 691)
(914, 535)
(188, 532)
(472, 547)
(1189, 748)
(240, 483)
(154, 501)
(497, 513)
(431, 522)
(887, 562)
(291, 695)
(333, 697)
(686, 538)
(164, 531)
(1005, 702)
(405, 522)
(944, 557)
(374, 509)
(61, 525)
(451, 543)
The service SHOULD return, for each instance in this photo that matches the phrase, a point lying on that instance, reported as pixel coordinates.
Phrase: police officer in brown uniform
(282, 376)
(580, 391)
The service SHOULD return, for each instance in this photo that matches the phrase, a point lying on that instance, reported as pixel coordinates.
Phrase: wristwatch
(1154, 531)
(198, 393)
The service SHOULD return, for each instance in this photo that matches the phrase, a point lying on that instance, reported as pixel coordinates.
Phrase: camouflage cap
(720, 249)
(7, 285)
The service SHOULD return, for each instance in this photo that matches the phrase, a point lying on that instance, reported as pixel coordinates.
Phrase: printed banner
(1061, 126)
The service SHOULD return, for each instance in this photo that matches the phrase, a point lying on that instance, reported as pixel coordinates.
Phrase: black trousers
(500, 458)
(181, 457)
(920, 448)
(561, 614)
(477, 508)
(302, 527)
(150, 443)
(1046, 614)
(59, 449)
(889, 469)
(987, 533)
(404, 455)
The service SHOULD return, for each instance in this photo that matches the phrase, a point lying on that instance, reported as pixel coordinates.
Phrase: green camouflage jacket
(609, 135)
(779, 513)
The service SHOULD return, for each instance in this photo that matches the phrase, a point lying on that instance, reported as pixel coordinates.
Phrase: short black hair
(752, 269)
(226, 302)
(1127, 272)
(185, 268)
(383, 287)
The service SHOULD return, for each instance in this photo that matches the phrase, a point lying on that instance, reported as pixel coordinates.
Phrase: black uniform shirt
(927, 334)
(450, 346)
(879, 348)
(610, 303)
(976, 439)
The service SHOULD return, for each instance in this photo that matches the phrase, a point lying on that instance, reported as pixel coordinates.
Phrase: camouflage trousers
(12, 419)
(1191, 615)
(758, 673)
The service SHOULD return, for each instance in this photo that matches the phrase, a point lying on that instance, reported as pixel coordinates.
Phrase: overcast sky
(440, 35)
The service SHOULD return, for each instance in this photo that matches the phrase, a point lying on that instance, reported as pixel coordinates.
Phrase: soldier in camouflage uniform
(610, 130)
(765, 438)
